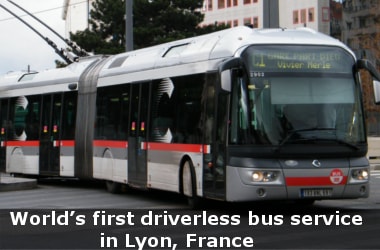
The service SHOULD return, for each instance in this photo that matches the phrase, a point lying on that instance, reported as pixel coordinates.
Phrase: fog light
(261, 192)
(362, 190)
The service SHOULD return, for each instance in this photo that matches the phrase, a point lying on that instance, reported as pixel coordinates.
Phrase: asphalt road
(76, 215)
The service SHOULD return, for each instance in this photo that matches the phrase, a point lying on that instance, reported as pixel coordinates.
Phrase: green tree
(160, 21)
(106, 35)
(155, 22)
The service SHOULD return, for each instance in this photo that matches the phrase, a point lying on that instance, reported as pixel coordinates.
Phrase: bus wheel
(189, 185)
(113, 187)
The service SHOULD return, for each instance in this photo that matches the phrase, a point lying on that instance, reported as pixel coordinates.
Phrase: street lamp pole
(128, 25)
(271, 14)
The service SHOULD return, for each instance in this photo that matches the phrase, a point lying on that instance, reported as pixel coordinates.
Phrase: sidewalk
(9, 183)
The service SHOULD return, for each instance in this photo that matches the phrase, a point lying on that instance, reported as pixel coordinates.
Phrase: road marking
(375, 174)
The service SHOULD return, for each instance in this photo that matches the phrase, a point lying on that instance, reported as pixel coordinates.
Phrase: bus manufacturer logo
(316, 163)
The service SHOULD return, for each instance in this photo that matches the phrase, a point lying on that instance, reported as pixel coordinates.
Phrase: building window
(255, 1)
(209, 5)
(231, 3)
(362, 22)
(247, 21)
(251, 22)
(255, 22)
(303, 16)
(349, 25)
(247, 1)
(325, 14)
(221, 4)
(311, 15)
(295, 17)
(232, 23)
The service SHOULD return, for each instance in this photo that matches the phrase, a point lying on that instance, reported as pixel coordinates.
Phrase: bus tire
(189, 185)
(113, 187)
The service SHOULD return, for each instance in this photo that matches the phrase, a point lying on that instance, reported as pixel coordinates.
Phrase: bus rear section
(38, 114)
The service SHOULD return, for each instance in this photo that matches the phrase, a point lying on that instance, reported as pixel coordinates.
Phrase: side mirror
(225, 72)
(367, 65)
(376, 91)
(225, 80)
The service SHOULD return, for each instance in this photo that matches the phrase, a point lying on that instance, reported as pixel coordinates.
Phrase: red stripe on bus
(312, 181)
(192, 148)
(23, 143)
(110, 144)
(67, 143)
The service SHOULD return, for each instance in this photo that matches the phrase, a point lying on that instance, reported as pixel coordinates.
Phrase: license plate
(325, 192)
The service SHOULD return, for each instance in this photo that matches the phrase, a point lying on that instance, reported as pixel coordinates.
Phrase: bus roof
(13, 83)
(214, 46)
(202, 52)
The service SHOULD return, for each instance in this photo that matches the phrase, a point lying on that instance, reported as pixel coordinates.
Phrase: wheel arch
(184, 159)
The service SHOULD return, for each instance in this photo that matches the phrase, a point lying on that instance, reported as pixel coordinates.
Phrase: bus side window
(32, 119)
(25, 117)
(112, 108)
(240, 124)
(177, 114)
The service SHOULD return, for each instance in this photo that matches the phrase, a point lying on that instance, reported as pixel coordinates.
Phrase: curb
(9, 183)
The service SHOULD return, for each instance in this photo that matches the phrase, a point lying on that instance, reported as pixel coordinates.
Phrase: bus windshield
(295, 94)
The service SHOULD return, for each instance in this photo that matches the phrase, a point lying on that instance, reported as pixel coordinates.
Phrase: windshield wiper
(293, 132)
(339, 141)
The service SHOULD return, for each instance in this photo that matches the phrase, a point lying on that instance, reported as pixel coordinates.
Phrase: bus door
(137, 136)
(3, 130)
(214, 177)
(50, 130)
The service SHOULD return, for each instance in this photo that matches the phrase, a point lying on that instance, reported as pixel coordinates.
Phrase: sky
(20, 47)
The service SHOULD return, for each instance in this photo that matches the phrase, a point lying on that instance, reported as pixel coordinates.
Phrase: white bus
(237, 115)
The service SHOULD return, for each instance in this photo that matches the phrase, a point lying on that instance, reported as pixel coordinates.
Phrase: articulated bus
(237, 115)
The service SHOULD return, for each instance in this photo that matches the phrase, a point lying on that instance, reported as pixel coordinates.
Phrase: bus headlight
(361, 174)
(264, 176)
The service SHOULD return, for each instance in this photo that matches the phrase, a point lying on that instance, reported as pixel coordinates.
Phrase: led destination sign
(291, 59)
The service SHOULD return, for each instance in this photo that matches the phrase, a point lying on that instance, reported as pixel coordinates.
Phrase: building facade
(314, 14)
(361, 32)
(233, 12)
(76, 14)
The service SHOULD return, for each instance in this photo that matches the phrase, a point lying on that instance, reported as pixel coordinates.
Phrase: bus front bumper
(292, 185)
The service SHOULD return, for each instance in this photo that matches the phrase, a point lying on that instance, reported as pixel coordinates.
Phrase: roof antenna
(76, 49)
(60, 52)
